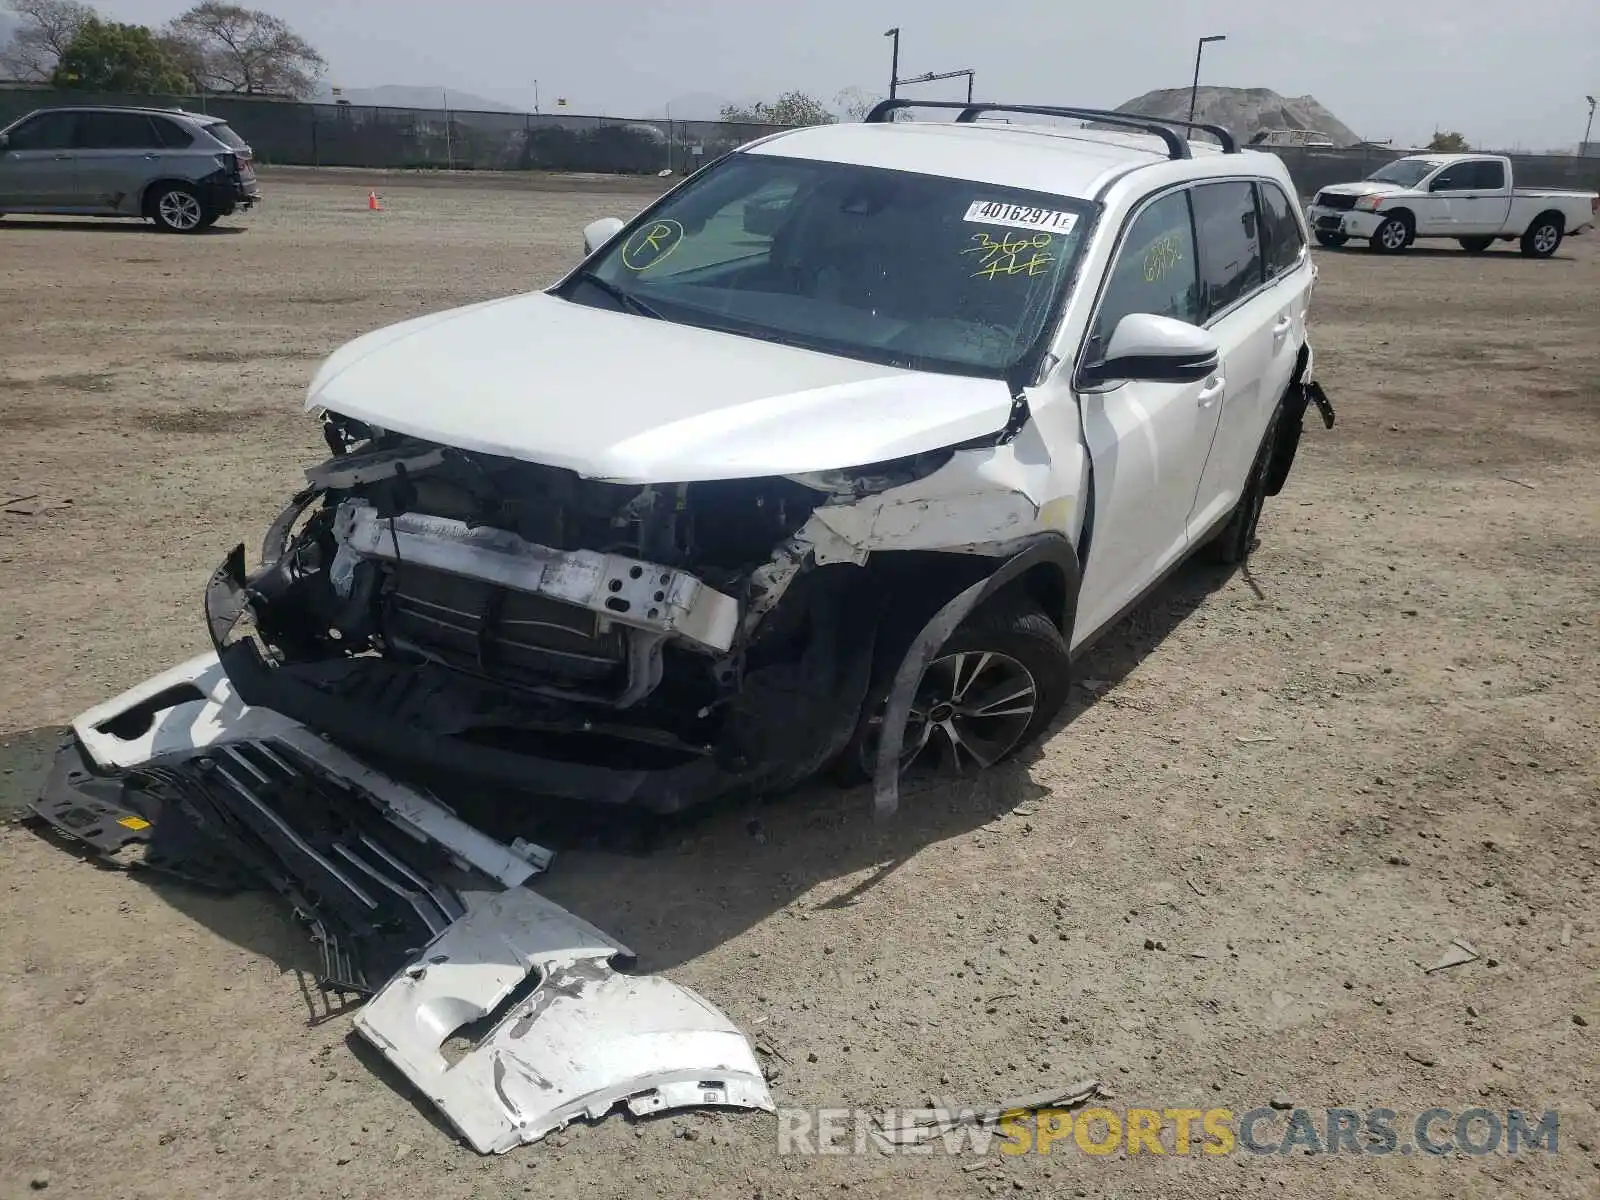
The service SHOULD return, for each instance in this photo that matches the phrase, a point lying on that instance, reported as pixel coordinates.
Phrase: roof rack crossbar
(1177, 147)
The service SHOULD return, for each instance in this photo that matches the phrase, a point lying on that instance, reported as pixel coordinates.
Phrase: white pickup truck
(1468, 197)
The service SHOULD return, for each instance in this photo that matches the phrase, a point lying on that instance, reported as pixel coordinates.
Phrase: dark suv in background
(181, 170)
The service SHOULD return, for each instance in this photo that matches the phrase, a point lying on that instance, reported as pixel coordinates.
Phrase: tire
(1235, 540)
(1544, 236)
(1332, 240)
(1006, 646)
(177, 208)
(1393, 236)
(1475, 245)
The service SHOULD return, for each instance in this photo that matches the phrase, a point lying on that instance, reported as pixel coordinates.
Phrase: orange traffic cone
(373, 204)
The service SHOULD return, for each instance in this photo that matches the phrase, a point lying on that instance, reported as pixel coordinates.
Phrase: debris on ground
(913, 1127)
(1459, 955)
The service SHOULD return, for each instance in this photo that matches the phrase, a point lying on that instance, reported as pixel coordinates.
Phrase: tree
(107, 57)
(854, 103)
(48, 27)
(791, 108)
(1448, 143)
(228, 48)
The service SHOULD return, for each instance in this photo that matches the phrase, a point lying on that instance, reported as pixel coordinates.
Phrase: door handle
(1282, 327)
(1213, 388)
(63, 157)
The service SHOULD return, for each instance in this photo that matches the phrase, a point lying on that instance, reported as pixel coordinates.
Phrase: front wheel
(179, 209)
(993, 688)
(1475, 245)
(1543, 236)
(1332, 240)
(1393, 236)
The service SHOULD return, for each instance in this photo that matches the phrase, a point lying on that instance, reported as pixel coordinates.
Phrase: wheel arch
(1560, 219)
(155, 187)
(1045, 570)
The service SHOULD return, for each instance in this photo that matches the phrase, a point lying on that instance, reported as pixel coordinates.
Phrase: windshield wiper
(627, 300)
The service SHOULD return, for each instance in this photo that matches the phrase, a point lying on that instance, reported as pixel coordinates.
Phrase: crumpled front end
(519, 625)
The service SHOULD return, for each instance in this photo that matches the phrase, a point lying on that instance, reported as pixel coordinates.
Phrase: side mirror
(5, 140)
(1443, 183)
(1152, 349)
(598, 233)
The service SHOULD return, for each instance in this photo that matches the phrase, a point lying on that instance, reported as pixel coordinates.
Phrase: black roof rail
(1230, 144)
(1177, 147)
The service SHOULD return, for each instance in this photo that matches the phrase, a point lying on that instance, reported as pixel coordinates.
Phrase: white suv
(835, 454)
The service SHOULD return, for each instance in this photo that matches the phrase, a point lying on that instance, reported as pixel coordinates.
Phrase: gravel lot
(1303, 781)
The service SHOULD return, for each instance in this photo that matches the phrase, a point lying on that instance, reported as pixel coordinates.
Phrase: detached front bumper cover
(407, 901)
(583, 1040)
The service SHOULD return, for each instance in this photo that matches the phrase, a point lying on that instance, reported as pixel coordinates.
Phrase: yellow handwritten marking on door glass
(1162, 256)
(1010, 255)
(651, 244)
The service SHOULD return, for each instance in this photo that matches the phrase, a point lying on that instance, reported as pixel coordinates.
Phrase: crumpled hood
(1364, 187)
(634, 400)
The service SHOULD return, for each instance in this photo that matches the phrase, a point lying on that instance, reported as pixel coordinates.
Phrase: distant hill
(392, 95)
(1244, 111)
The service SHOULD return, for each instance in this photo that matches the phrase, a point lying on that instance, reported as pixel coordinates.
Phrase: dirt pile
(1244, 111)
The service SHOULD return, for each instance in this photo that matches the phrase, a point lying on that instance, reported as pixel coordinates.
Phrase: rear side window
(1283, 247)
(47, 131)
(1155, 272)
(1225, 226)
(116, 131)
(227, 136)
(172, 135)
(1485, 175)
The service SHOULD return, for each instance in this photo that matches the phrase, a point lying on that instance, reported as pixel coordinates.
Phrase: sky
(1505, 77)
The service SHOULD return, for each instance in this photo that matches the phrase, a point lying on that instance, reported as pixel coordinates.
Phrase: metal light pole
(1199, 48)
(1583, 146)
(894, 61)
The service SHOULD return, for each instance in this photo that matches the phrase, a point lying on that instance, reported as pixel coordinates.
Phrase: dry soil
(1303, 781)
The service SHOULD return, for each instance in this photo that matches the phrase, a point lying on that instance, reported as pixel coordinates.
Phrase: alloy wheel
(971, 709)
(180, 211)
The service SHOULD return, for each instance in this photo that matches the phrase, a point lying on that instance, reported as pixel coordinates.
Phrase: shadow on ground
(12, 224)
(717, 871)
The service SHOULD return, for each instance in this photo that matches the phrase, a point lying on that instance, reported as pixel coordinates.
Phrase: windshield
(1405, 172)
(910, 270)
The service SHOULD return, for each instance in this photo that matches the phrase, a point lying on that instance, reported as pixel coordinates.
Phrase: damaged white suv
(835, 454)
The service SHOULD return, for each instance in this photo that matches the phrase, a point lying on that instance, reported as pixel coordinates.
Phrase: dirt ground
(1302, 781)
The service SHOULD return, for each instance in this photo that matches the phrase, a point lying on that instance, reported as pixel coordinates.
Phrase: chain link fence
(344, 135)
(348, 135)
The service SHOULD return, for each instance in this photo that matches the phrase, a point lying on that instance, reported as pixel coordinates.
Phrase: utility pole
(894, 60)
(1583, 146)
(1199, 49)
